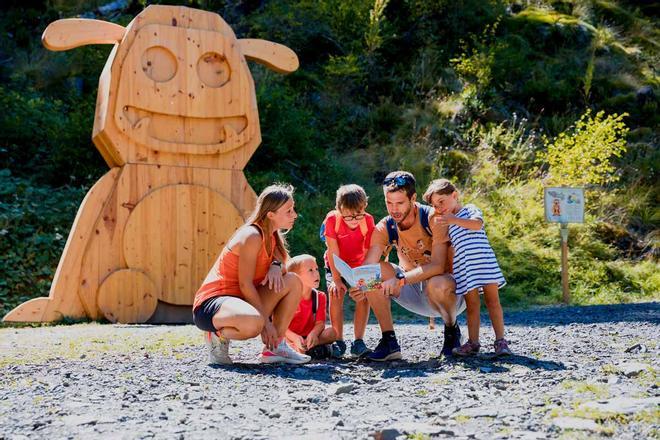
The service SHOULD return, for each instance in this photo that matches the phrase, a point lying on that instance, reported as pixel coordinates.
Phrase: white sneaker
(283, 353)
(218, 349)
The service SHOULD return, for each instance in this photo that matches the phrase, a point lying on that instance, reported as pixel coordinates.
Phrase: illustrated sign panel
(564, 205)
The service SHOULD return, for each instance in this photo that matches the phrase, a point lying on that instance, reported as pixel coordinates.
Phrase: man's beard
(406, 214)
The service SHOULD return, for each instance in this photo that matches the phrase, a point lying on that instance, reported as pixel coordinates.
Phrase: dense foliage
(501, 96)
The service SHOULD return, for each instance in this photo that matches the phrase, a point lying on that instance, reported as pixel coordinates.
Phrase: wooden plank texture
(127, 296)
(69, 33)
(177, 119)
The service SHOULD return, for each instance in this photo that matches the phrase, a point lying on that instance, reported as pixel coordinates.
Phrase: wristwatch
(401, 277)
(276, 263)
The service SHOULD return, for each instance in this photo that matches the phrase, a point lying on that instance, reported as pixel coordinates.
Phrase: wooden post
(566, 294)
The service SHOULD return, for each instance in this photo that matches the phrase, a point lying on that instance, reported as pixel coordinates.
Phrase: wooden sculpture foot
(127, 296)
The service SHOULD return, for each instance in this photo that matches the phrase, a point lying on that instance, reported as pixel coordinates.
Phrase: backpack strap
(338, 220)
(315, 300)
(322, 232)
(363, 227)
(322, 228)
(392, 231)
(424, 211)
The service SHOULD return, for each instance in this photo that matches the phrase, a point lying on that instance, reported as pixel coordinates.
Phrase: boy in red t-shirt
(307, 332)
(347, 231)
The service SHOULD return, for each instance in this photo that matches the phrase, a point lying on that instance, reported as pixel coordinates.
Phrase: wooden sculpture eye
(159, 64)
(213, 69)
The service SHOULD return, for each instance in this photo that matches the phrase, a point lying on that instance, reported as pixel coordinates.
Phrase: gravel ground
(578, 372)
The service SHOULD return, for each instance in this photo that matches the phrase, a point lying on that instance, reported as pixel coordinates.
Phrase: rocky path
(579, 372)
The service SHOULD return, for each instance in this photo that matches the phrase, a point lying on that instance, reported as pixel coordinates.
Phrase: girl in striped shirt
(475, 267)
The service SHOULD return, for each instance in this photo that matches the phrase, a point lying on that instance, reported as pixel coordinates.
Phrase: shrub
(583, 155)
(34, 225)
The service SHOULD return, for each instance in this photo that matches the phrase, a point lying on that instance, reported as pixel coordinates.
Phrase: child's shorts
(203, 315)
(414, 297)
(329, 280)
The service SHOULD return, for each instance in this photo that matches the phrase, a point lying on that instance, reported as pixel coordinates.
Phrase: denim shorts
(414, 297)
(203, 315)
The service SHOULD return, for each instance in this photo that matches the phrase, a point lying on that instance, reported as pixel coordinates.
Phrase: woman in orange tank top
(247, 293)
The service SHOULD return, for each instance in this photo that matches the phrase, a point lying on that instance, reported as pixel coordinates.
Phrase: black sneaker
(452, 339)
(387, 350)
(320, 352)
(338, 348)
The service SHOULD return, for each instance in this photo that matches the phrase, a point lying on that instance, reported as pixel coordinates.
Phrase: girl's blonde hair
(271, 199)
(441, 187)
(295, 263)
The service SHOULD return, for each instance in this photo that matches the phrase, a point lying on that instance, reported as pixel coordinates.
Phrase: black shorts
(203, 315)
(328, 278)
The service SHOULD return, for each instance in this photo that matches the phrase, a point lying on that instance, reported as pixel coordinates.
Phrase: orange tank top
(222, 280)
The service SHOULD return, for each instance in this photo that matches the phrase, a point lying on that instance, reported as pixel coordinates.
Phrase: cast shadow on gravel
(322, 372)
(491, 364)
(403, 368)
(327, 371)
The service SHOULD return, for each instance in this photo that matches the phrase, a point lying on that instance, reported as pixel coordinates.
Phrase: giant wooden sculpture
(176, 121)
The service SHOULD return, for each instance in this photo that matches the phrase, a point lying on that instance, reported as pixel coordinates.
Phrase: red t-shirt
(353, 246)
(303, 320)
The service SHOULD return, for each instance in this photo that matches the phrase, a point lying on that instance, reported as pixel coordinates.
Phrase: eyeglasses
(349, 218)
(397, 181)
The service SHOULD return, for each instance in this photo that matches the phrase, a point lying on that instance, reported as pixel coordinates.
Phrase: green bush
(584, 155)
(34, 226)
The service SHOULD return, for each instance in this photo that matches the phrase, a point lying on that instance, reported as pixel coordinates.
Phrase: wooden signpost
(564, 205)
(176, 122)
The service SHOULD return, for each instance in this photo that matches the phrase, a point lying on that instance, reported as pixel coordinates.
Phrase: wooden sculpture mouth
(178, 129)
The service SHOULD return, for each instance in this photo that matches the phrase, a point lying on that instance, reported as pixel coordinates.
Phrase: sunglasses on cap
(397, 181)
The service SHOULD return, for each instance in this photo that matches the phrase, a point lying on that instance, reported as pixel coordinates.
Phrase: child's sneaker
(218, 349)
(502, 348)
(283, 353)
(359, 348)
(320, 352)
(468, 349)
(387, 350)
(338, 348)
(452, 339)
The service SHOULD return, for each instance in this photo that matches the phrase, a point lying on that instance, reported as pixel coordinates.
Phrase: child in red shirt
(307, 332)
(347, 231)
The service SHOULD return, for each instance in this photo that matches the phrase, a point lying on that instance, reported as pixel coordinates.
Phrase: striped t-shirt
(475, 264)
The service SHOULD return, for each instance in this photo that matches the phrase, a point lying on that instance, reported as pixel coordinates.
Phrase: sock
(389, 334)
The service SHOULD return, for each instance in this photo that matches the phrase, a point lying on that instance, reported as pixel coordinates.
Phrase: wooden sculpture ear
(275, 56)
(68, 33)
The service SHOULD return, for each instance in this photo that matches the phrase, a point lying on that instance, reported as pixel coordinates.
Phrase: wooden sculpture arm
(275, 56)
(69, 33)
